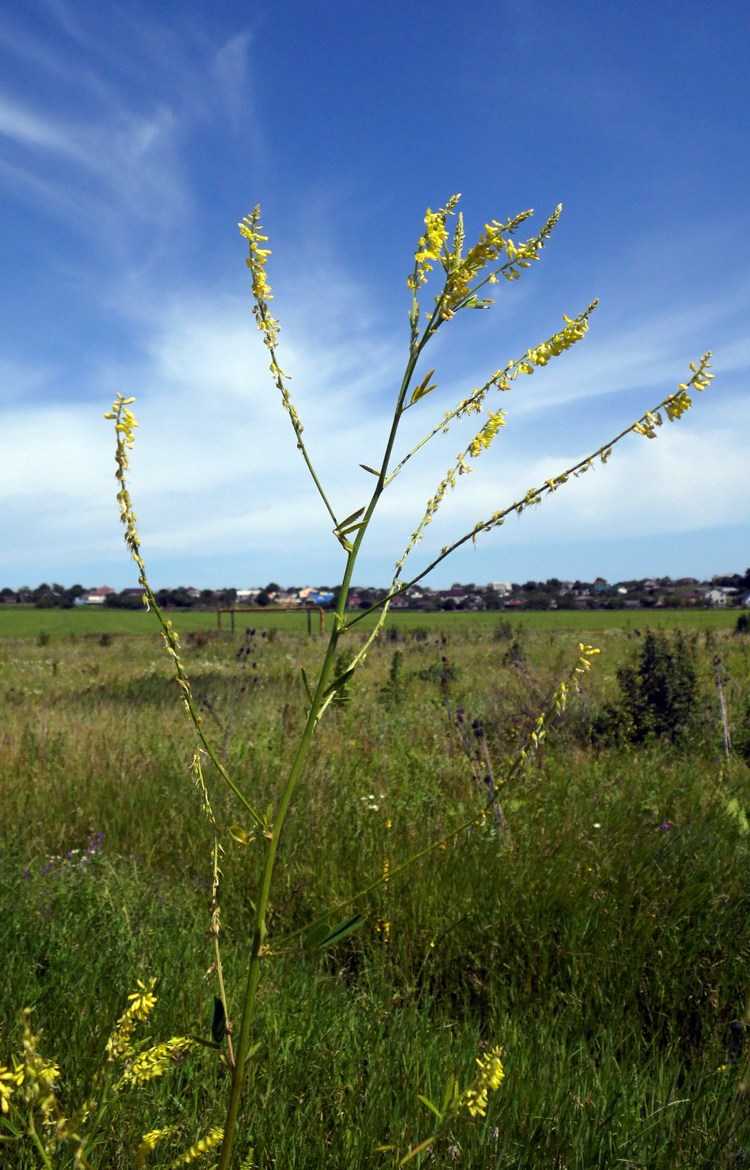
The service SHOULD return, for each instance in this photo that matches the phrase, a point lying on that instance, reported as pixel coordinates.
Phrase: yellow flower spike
(150, 1140)
(213, 1138)
(155, 1061)
(474, 1100)
(432, 243)
(142, 1001)
(10, 1079)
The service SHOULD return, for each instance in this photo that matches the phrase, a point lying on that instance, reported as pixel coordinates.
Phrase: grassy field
(603, 945)
(20, 621)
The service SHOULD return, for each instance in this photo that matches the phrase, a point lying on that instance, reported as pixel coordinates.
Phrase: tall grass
(607, 951)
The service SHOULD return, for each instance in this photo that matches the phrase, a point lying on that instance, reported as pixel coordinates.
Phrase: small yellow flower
(10, 1079)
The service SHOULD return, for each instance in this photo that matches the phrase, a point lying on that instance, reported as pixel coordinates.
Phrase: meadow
(602, 941)
(25, 621)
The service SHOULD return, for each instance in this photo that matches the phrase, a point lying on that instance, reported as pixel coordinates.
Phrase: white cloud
(216, 474)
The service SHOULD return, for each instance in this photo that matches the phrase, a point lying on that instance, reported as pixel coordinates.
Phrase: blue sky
(134, 137)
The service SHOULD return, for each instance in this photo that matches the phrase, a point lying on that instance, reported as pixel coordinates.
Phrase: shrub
(659, 691)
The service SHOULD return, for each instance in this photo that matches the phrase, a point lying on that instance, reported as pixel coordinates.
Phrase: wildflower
(213, 1138)
(140, 1005)
(256, 261)
(483, 439)
(142, 1001)
(9, 1080)
(38, 1075)
(154, 1062)
(491, 1075)
(152, 1139)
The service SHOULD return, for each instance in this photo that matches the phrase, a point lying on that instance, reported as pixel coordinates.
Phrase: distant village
(730, 590)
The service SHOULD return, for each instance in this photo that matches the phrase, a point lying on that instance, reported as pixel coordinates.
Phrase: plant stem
(273, 839)
(317, 706)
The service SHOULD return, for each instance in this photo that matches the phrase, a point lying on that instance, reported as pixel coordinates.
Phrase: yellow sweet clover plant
(471, 1102)
(31, 1105)
(465, 274)
(462, 277)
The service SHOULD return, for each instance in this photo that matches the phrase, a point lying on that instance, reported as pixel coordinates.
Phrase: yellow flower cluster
(431, 244)
(140, 1005)
(268, 325)
(213, 1138)
(556, 706)
(491, 1075)
(540, 355)
(677, 404)
(258, 258)
(35, 1079)
(10, 1079)
(152, 1139)
(154, 1062)
(125, 426)
(483, 439)
(494, 242)
(648, 424)
(142, 1001)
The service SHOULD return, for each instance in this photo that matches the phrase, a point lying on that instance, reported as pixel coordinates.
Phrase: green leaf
(241, 834)
(219, 1022)
(417, 1150)
(341, 527)
(342, 930)
(450, 1096)
(306, 684)
(423, 388)
(315, 935)
(340, 681)
(426, 1101)
(252, 1051)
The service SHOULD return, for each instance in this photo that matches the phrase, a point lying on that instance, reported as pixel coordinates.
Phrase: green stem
(260, 926)
(38, 1143)
(317, 706)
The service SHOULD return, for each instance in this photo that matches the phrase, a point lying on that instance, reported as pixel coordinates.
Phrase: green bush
(658, 694)
(659, 691)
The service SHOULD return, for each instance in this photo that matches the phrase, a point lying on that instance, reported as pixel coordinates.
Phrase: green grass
(606, 948)
(21, 621)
